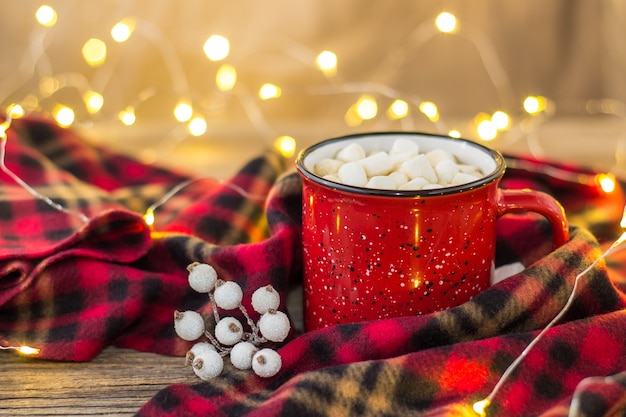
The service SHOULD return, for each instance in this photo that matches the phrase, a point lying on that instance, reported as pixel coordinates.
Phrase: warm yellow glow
(606, 182)
(183, 111)
(94, 52)
(352, 118)
(216, 48)
(122, 31)
(63, 115)
(366, 107)
(534, 104)
(46, 16)
(15, 111)
(454, 134)
(48, 86)
(500, 120)
(286, 145)
(197, 126)
(27, 350)
(148, 217)
(398, 109)
(479, 407)
(268, 91)
(446, 22)
(430, 110)
(226, 77)
(486, 130)
(622, 223)
(127, 116)
(3, 129)
(327, 62)
(93, 101)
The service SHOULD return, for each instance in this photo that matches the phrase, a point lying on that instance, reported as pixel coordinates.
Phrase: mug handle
(510, 201)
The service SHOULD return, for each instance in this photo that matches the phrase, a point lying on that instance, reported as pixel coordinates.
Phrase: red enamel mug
(376, 253)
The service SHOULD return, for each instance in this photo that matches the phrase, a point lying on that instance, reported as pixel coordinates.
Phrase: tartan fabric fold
(72, 288)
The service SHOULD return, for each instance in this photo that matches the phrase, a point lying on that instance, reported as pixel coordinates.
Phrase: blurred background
(206, 85)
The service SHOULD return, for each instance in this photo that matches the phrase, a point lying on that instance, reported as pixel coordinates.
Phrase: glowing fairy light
(183, 111)
(480, 407)
(398, 109)
(216, 47)
(446, 22)
(327, 62)
(94, 52)
(500, 120)
(127, 116)
(226, 77)
(268, 91)
(606, 182)
(63, 115)
(197, 126)
(454, 134)
(93, 101)
(24, 350)
(534, 104)
(366, 107)
(430, 110)
(486, 130)
(46, 16)
(122, 31)
(15, 111)
(148, 217)
(286, 145)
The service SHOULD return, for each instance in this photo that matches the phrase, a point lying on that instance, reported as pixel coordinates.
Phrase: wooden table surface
(118, 382)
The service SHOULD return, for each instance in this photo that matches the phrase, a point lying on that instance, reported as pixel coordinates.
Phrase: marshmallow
(437, 155)
(352, 152)
(352, 173)
(463, 178)
(399, 178)
(414, 184)
(377, 164)
(419, 167)
(381, 182)
(327, 166)
(404, 147)
(446, 169)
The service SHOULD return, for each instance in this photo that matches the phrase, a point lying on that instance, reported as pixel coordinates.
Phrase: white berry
(189, 325)
(228, 294)
(265, 298)
(202, 277)
(266, 363)
(228, 331)
(241, 355)
(197, 350)
(208, 365)
(274, 325)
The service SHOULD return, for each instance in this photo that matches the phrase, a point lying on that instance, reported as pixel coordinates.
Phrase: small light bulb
(268, 91)
(327, 62)
(216, 48)
(479, 407)
(46, 16)
(366, 108)
(197, 126)
(398, 109)
(446, 22)
(606, 182)
(486, 130)
(127, 116)
(286, 145)
(148, 217)
(534, 104)
(226, 77)
(93, 101)
(500, 120)
(15, 111)
(430, 110)
(183, 112)
(63, 115)
(454, 134)
(122, 31)
(27, 350)
(94, 52)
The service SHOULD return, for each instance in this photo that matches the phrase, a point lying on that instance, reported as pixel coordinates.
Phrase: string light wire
(480, 406)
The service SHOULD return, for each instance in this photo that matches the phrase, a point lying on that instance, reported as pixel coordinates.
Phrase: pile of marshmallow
(402, 168)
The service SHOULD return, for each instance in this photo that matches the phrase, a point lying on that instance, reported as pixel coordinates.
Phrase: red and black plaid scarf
(71, 288)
